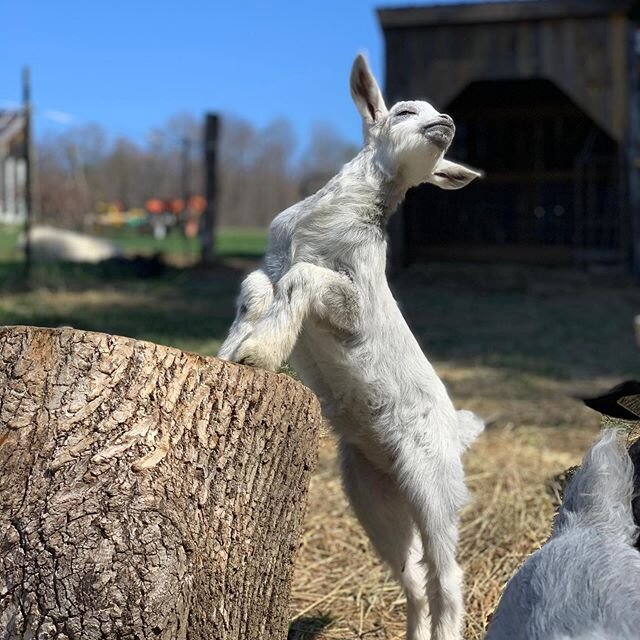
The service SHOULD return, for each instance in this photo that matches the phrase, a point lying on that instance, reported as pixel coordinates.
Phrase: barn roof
(11, 124)
(433, 14)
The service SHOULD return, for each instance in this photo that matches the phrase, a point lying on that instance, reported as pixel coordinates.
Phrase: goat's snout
(440, 131)
(442, 121)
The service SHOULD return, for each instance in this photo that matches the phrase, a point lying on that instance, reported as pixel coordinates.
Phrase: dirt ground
(516, 347)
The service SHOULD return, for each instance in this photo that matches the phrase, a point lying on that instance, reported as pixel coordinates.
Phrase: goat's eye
(404, 112)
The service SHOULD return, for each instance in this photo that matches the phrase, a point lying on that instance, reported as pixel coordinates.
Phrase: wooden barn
(544, 94)
(13, 203)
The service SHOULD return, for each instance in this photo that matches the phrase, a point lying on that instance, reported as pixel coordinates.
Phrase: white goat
(585, 581)
(322, 298)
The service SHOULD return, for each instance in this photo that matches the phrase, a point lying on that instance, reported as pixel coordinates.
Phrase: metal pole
(26, 108)
(208, 221)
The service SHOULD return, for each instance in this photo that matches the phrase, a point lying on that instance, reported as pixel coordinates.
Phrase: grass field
(187, 308)
(8, 241)
(248, 243)
(513, 344)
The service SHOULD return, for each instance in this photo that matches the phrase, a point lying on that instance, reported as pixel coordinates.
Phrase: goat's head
(410, 139)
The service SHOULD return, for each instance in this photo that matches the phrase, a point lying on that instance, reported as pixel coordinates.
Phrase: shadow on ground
(189, 308)
(307, 628)
(551, 322)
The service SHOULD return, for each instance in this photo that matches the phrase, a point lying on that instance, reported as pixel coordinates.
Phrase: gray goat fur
(584, 583)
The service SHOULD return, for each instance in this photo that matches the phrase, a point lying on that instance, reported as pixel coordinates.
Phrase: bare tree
(259, 174)
(256, 179)
(324, 156)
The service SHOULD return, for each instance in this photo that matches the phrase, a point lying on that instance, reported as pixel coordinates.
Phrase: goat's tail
(470, 426)
(599, 494)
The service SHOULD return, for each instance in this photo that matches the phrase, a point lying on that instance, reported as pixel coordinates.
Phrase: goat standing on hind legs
(323, 301)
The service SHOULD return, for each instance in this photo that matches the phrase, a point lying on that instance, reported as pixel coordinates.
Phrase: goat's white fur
(584, 584)
(322, 299)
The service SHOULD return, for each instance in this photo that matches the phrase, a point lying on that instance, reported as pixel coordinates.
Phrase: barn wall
(586, 58)
(591, 59)
(632, 148)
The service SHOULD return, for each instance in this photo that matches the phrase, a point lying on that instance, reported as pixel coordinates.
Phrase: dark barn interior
(547, 119)
(552, 181)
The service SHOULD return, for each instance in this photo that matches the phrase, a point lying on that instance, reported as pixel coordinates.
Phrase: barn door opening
(552, 191)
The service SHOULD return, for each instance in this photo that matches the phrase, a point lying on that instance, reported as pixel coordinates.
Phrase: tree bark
(146, 492)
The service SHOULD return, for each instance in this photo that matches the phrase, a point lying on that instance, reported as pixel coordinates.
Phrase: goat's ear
(452, 175)
(365, 92)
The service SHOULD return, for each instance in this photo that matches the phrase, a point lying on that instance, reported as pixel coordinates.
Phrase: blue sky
(130, 65)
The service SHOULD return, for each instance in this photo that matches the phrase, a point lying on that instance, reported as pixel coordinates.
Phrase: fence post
(208, 222)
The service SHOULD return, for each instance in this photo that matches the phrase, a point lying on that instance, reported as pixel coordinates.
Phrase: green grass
(247, 243)
(557, 323)
(188, 308)
(8, 241)
(240, 243)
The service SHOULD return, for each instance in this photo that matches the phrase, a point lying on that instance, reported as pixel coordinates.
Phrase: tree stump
(146, 492)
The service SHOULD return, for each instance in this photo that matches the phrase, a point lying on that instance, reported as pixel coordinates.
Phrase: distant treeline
(258, 175)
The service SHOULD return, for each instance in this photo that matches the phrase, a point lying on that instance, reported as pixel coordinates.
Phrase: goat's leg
(256, 294)
(304, 290)
(432, 482)
(386, 517)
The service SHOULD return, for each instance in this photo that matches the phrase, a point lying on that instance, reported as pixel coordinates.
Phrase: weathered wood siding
(585, 58)
(585, 48)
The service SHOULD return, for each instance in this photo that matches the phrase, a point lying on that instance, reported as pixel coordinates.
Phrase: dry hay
(341, 590)
(516, 346)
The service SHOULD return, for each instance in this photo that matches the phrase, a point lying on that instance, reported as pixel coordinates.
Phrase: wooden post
(186, 175)
(26, 109)
(208, 222)
(146, 492)
(186, 189)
